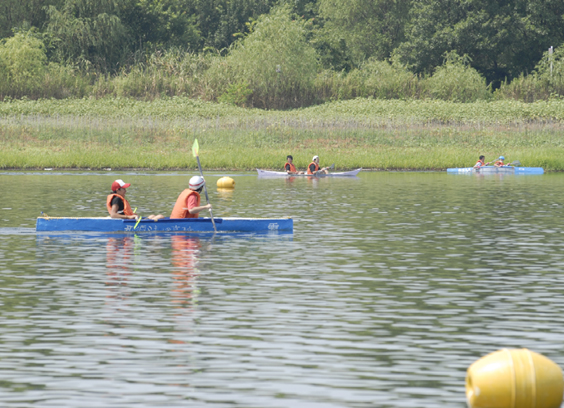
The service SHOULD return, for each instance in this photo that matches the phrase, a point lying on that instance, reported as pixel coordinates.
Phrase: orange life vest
(480, 163)
(500, 162)
(126, 207)
(182, 202)
(292, 167)
(316, 167)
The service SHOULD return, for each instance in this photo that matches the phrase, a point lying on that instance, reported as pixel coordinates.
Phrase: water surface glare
(390, 287)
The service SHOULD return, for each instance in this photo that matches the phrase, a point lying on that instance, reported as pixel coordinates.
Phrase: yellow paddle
(138, 219)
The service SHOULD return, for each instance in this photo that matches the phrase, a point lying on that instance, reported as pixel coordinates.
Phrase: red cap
(119, 184)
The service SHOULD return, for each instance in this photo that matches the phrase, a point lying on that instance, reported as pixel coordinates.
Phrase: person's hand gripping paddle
(195, 151)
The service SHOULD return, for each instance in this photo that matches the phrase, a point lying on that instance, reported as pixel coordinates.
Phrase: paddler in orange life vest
(188, 202)
(480, 162)
(313, 167)
(499, 162)
(119, 207)
(289, 167)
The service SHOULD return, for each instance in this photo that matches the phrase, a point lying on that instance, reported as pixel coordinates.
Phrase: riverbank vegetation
(373, 134)
(363, 83)
(281, 54)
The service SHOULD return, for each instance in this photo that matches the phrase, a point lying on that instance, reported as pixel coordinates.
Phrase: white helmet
(196, 182)
(315, 157)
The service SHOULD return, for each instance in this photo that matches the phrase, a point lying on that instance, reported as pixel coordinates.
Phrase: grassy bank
(374, 134)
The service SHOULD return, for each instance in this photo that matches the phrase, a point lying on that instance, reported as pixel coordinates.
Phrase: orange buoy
(514, 378)
(226, 182)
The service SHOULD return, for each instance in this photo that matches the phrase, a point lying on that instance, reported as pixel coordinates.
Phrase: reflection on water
(185, 253)
(119, 252)
(390, 287)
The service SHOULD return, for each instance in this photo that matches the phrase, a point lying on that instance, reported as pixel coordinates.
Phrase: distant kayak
(268, 173)
(496, 170)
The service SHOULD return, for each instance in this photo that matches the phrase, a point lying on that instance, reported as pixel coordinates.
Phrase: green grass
(373, 134)
(357, 112)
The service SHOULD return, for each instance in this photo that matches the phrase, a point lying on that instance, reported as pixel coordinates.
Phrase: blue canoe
(195, 225)
(497, 170)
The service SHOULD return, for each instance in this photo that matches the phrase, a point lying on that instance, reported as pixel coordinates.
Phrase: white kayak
(268, 173)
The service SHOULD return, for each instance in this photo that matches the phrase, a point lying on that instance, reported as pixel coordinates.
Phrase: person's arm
(196, 210)
(312, 168)
(191, 201)
(114, 213)
(287, 168)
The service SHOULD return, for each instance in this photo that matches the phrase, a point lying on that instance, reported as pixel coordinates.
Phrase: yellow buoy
(516, 378)
(226, 182)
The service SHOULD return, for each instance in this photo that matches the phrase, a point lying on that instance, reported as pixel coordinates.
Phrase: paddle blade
(331, 166)
(516, 163)
(195, 148)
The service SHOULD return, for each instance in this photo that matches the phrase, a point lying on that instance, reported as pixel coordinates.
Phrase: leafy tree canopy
(502, 38)
(370, 28)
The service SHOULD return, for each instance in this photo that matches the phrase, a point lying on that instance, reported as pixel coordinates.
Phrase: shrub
(546, 81)
(23, 64)
(168, 73)
(377, 79)
(237, 94)
(275, 61)
(457, 81)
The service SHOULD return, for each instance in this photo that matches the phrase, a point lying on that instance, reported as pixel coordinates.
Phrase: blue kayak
(496, 170)
(196, 225)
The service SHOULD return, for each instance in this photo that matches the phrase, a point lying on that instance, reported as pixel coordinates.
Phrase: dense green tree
(89, 32)
(23, 14)
(274, 62)
(160, 24)
(503, 38)
(369, 28)
(220, 21)
(23, 62)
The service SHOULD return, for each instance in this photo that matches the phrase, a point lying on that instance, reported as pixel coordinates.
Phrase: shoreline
(140, 169)
(380, 135)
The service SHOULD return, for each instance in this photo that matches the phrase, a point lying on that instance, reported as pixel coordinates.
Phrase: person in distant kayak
(313, 167)
(119, 207)
(481, 162)
(499, 162)
(289, 166)
(188, 202)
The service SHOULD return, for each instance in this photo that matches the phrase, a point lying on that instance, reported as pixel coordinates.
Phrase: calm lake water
(390, 287)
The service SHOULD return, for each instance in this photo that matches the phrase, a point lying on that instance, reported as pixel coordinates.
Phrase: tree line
(282, 53)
